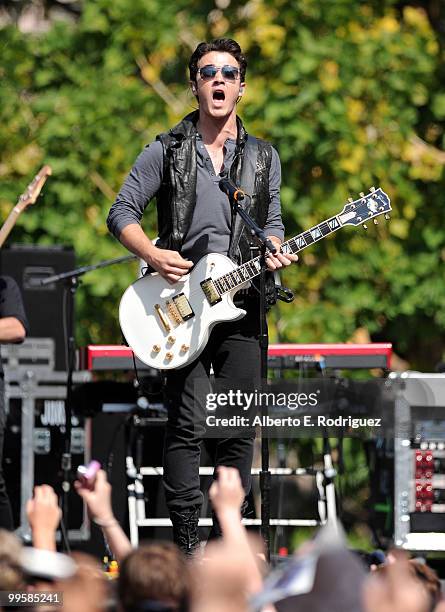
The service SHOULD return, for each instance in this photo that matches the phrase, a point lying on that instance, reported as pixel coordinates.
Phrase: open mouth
(218, 94)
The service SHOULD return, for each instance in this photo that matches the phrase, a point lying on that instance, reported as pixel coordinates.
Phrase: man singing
(182, 169)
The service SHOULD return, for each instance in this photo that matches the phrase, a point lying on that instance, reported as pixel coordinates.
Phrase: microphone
(231, 190)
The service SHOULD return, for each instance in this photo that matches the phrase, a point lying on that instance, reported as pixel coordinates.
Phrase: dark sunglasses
(227, 72)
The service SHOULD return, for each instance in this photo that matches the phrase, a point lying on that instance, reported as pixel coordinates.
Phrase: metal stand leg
(331, 505)
(327, 506)
(135, 488)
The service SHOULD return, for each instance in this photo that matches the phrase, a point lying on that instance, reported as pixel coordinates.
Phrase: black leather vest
(176, 198)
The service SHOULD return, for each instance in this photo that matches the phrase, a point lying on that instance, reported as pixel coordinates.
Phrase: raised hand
(44, 516)
(226, 493)
(97, 499)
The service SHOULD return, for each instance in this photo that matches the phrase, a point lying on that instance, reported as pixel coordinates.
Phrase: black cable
(136, 373)
(65, 538)
(138, 381)
(109, 456)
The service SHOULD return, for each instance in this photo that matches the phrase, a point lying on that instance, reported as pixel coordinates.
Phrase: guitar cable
(138, 383)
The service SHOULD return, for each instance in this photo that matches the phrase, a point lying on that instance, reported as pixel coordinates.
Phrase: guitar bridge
(162, 317)
(210, 291)
(183, 306)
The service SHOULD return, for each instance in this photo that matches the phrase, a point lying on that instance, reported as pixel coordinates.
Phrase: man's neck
(215, 131)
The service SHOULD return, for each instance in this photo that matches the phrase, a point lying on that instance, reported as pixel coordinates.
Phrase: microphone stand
(265, 475)
(71, 281)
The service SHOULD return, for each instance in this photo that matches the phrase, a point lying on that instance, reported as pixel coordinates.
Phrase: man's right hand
(169, 264)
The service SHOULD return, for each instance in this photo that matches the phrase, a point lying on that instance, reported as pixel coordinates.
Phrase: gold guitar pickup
(210, 291)
(183, 306)
(173, 313)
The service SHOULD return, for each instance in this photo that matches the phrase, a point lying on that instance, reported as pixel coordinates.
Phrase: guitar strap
(247, 184)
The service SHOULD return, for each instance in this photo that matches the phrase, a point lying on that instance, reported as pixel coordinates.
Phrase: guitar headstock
(30, 195)
(368, 207)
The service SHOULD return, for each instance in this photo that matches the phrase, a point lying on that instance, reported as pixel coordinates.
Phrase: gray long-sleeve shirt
(209, 230)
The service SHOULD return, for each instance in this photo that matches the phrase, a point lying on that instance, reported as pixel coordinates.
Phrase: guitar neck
(252, 268)
(29, 196)
(9, 224)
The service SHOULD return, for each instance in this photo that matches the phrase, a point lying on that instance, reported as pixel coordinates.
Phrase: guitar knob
(155, 348)
(168, 356)
(171, 339)
(184, 348)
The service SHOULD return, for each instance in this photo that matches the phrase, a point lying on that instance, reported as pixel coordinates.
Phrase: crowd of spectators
(229, 574)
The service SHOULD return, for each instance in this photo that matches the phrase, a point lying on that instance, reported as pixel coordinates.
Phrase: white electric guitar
(168, 326)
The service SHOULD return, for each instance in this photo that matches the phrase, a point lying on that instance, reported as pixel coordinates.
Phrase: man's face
(218, 94)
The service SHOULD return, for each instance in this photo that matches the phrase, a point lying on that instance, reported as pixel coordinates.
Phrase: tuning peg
(372, 189)
(376, 222)
(387, 217)
(350, 200)
(365, 226)
(361, 194)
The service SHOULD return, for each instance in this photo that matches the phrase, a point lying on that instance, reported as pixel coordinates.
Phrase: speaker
(44, 305)
(33, 445)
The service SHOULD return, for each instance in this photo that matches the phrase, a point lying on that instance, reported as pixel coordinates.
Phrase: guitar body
(149, 307)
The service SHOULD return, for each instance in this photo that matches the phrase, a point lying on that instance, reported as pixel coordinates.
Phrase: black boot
(186, 530)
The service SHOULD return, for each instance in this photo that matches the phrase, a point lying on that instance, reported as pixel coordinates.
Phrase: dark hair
(156, 572)
(226, 45)
(11, 573)
(429, 579)
(423, 574)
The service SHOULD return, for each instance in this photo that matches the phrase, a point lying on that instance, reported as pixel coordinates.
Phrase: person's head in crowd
(395, 586)
(154, 577)
(86, 590)
(428, 578)
(11, 573)
(420, 573)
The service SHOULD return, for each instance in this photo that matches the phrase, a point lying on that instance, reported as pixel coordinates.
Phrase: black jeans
(234, 352)
(5, 506)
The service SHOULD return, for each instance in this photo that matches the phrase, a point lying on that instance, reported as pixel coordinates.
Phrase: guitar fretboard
(252, 268)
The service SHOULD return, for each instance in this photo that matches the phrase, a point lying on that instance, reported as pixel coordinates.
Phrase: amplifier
(28, 264)
(419, 462)
(34, 442)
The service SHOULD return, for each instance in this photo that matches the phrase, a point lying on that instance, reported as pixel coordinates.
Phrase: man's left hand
(279, 260)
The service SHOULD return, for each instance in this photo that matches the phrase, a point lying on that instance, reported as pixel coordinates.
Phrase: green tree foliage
(349, 92)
